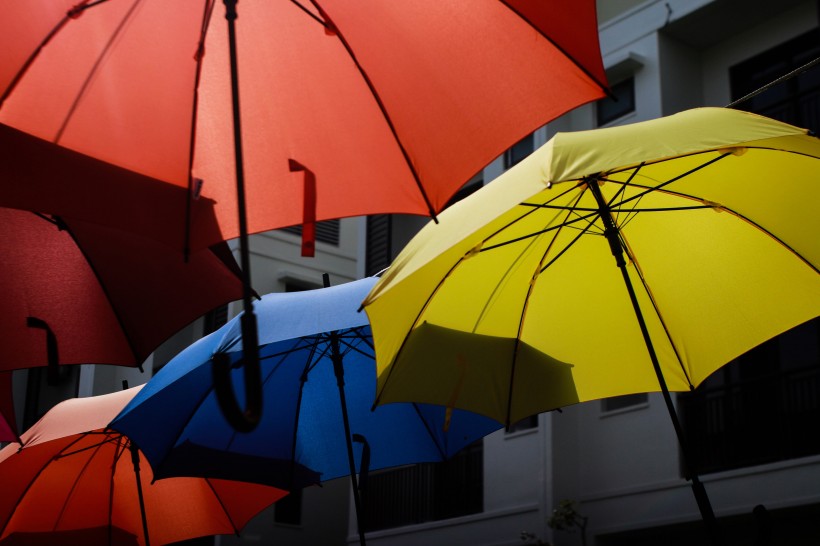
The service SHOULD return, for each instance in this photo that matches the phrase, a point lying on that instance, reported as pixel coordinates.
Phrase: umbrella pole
(701, 497)
(246, 420)
(338, 370)
(135, 459)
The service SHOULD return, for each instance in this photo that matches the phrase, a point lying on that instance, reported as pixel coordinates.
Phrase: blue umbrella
(319, 376)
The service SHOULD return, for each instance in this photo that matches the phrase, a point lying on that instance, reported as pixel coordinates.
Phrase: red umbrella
(346, 108)
(392, 106)
(73, 479)
(79, 293)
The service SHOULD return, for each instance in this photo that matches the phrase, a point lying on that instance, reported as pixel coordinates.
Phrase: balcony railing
(771, 418)
(425, 492)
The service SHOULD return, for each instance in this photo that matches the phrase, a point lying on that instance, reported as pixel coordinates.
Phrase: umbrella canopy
(631, 259)
(348, 108)
(79, 293)
(715, 212)
(300, 438)
(73, 479)
(392, 106)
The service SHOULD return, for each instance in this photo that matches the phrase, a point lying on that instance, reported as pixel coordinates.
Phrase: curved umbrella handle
(242, 420)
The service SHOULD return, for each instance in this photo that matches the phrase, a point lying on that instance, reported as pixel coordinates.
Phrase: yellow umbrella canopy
(514, 303)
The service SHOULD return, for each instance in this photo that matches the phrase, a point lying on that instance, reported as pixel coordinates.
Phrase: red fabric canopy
(393, 106)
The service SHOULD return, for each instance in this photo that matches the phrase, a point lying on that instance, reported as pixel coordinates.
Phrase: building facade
(753, 424)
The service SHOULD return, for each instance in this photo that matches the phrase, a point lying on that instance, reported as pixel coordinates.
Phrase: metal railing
(425, 492)
(771, 418)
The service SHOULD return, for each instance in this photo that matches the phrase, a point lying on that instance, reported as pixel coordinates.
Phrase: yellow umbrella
(678, 243)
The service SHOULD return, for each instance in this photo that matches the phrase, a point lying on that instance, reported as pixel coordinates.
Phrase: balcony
(425, 492)
(769, 418)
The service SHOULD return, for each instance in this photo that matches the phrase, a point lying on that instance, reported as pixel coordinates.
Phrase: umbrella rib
(31, 483)
(526, 302)
(662, 189)
(569, 223)
(138, 358)
(581, 67)
(297, 413)
(71, 14)
(312, 15)
(628, 249)
(90, 76)
(206, 18)
(222, 505)
(438, 286)
(76, 480)
(442, 451)
(338, 33)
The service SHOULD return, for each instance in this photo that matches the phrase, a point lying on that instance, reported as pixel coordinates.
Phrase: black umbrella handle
(242, 420)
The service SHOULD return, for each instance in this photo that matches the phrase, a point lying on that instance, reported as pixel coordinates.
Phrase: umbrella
(80, 293)
(74, 479)
(319, 381)
(675, 244)
(344, 108)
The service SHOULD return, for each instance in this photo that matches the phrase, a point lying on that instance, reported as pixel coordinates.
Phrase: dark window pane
(379, 247)
(215, 319)
(620, 104)
(519, 151)
(626, 401)
(795, 100)
(526, 423)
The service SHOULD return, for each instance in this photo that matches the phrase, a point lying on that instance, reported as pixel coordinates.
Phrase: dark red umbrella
(79, 293)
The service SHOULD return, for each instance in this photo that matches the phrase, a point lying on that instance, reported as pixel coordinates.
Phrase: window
(288, 510)
(425, 492)
(757, 408)
(621, 103)
(519, 151)
(468, 189)
(527, 423)
(326, 231)
(617, 403)
(378, 253)
(796, 100)
(215, 319)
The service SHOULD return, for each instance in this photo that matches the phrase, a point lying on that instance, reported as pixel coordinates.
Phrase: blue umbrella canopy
(300, 440)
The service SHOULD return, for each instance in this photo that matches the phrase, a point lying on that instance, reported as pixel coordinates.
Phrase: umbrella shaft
(338, 368)
(701, 497)
(135, 459)
(611, 234)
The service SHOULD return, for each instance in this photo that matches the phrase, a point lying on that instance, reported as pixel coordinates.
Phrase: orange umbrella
(74, 477)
